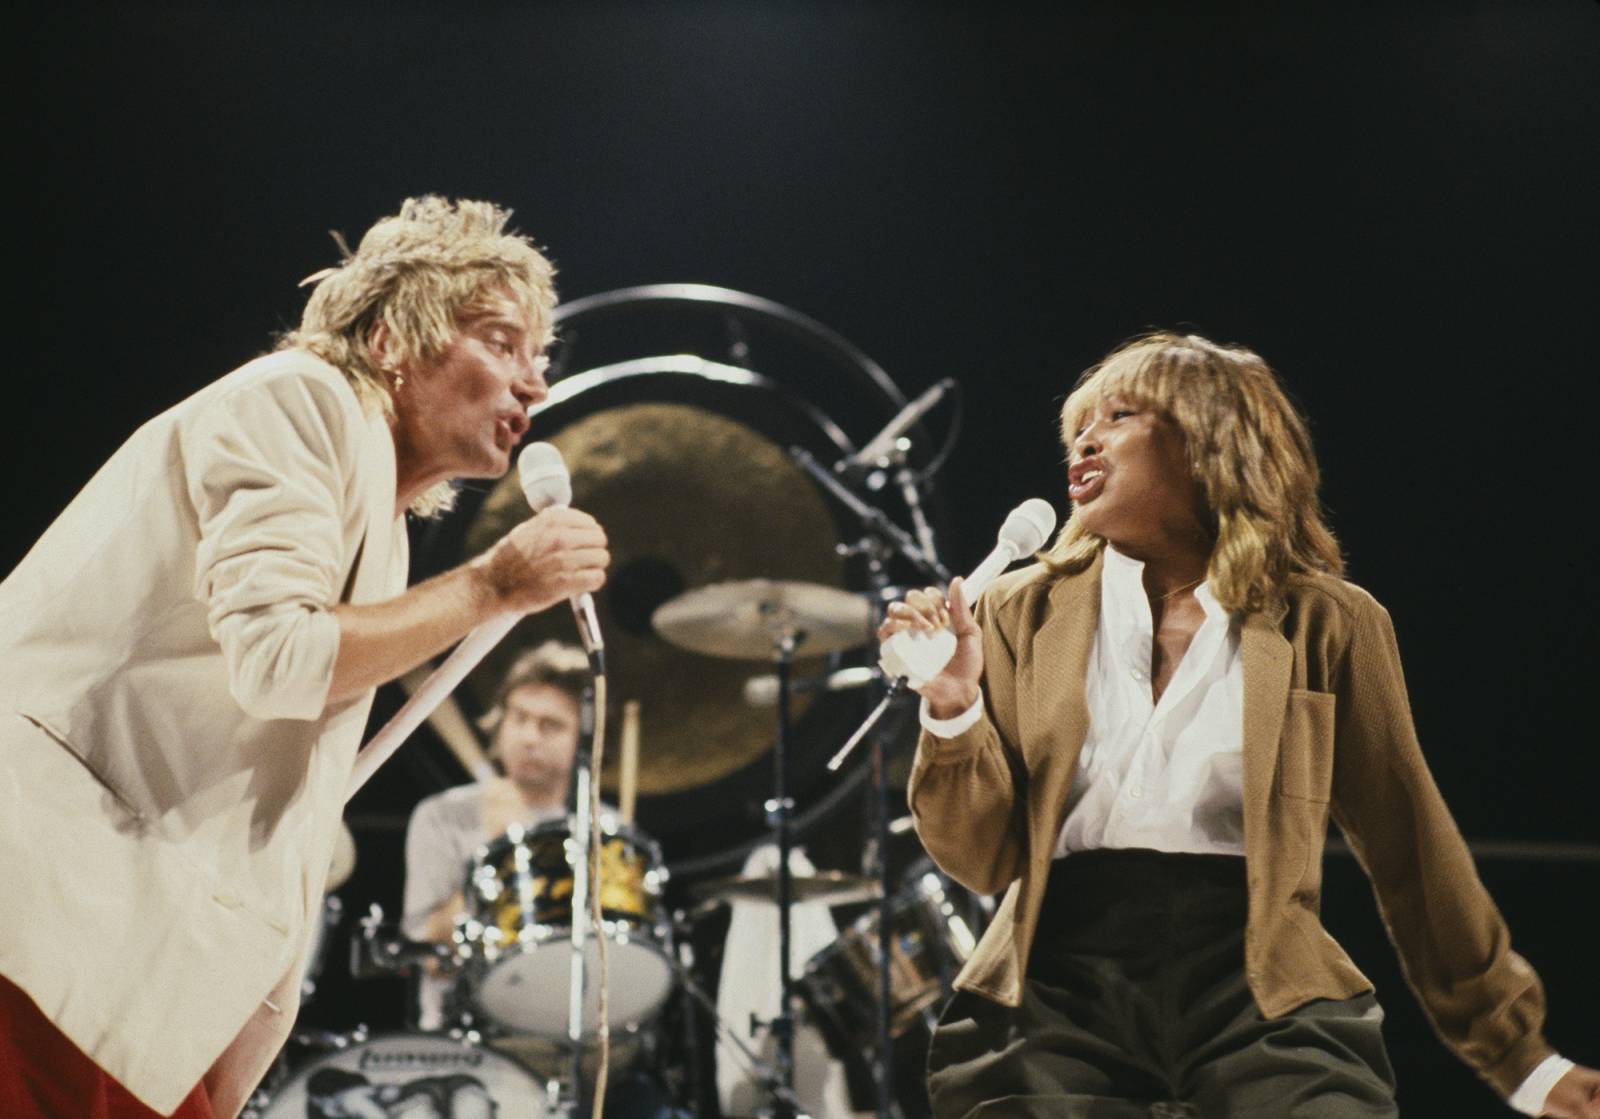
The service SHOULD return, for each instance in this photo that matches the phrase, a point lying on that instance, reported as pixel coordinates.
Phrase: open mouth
(1086, 484)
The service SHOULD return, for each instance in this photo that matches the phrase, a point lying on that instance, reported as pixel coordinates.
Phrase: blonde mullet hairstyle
(418, 272)
(1246, 444)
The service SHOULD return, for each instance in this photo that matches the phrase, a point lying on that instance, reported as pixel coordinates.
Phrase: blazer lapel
(1061, 648)
(1268, 660)
(370, 580)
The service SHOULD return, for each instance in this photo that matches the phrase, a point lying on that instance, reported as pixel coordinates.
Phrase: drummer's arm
(432, 874)
(440, 925)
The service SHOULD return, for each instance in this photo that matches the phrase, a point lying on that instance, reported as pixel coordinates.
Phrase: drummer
(533, 729)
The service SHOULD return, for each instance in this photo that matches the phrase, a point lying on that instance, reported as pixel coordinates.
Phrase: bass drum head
(410, 1076)
(527, 990)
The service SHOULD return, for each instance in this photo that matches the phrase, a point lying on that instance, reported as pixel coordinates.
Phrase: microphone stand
(906, 479)
(923, 555)
(884, 1065)
(780, 809)
(578, 978)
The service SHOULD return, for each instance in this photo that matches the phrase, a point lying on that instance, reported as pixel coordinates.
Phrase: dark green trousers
(1135, 1006)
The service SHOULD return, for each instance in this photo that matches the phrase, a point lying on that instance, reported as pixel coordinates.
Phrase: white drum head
(528, 991)
(410, 1076)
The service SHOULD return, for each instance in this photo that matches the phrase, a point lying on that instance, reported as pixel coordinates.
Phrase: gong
(685, 463)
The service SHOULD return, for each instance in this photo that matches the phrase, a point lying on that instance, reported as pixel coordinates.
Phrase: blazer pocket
(93, 771)
(1305, 752)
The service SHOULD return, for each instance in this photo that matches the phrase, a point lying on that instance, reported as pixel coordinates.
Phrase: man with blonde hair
(191, 648)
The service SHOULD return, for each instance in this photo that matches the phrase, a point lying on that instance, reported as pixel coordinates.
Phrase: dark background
(1395, 207)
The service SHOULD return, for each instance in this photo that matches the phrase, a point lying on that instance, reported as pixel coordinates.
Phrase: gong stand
(921, 554)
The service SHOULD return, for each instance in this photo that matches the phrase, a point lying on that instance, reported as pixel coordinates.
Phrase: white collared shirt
(1167, 775)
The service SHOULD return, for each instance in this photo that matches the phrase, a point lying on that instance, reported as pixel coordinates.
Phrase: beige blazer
(1327, 729)
(172, 783)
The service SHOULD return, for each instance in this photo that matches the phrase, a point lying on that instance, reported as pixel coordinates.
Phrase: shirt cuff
(1530, 1095)
(950, 728)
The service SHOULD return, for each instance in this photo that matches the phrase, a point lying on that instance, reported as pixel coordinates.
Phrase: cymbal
(746, 619)
(832, 886)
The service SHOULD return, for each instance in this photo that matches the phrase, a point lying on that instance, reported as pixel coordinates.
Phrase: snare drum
(516, 939)
(406, 1076)
(930, 939)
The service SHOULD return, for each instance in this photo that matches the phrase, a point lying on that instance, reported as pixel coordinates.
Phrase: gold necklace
(1180, 590)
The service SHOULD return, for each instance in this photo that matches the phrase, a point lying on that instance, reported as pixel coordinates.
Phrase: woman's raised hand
(955, 689)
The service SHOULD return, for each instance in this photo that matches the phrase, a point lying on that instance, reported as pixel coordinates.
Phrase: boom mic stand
(875, 518)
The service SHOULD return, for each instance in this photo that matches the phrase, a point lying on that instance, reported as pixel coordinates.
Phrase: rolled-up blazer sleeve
(268, 469)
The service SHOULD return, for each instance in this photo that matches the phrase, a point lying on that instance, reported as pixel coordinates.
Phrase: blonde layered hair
(1245, 443)
(418, 272)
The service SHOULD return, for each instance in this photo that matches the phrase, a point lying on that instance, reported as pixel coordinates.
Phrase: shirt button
(1135, 792)
(227, 898)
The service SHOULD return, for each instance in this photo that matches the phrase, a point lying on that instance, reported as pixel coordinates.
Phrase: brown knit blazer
(1327, 728)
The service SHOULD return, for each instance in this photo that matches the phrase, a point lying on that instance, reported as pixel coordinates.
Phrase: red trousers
(44, 1076)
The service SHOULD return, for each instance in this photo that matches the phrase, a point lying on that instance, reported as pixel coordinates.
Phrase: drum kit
(765, 593)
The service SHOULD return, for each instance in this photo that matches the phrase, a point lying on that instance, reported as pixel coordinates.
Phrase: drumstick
(629, 776)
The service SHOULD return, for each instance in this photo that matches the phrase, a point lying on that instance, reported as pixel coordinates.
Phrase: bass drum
(410, 1076)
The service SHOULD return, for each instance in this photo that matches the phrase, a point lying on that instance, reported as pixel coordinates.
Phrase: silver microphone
(547, 484)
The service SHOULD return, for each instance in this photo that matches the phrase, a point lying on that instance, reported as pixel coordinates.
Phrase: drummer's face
(538, 737)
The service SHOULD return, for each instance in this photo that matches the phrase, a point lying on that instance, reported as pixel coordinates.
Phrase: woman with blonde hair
(1140, 741)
